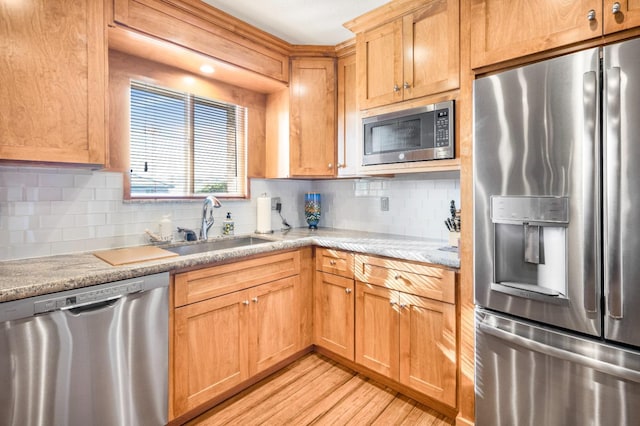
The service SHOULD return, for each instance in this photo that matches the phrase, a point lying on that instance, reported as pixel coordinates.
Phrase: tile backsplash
(48, 211)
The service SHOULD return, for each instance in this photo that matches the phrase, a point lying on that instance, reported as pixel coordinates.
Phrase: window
(183, 145)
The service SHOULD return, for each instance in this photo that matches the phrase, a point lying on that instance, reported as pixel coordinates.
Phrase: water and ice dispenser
(530, 246)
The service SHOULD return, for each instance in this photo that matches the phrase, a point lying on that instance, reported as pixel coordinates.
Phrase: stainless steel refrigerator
(557, 241)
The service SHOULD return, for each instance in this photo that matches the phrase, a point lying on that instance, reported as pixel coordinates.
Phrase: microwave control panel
(442, 128)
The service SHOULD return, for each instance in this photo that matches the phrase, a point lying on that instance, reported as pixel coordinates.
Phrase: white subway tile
(55, 180)
(78, 194)
(78, 233)
(57, 221)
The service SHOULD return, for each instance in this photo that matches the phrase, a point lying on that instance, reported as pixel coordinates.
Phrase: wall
(49, 211)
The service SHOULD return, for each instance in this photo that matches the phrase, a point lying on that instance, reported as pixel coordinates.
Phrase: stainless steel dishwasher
(91, 356)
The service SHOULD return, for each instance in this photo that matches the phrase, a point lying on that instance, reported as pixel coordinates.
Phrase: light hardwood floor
(316, 391)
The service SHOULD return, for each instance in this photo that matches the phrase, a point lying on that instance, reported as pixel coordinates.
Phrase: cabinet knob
(347, 290)
(332, 262)
(246, 302)
(406, 85)
(402, 305)
(255, 300)
(396, 88)
(340, 165)
(591, 16)
(392, 302)
(616, 8)
(330, 165)
(397, 276)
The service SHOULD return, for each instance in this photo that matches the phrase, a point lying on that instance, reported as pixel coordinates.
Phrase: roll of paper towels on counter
(264, 215)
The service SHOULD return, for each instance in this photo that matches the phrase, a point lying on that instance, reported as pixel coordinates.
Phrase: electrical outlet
(274, 203)
(384, 204)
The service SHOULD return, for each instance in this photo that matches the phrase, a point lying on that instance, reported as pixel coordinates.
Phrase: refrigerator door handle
(589, 175)
(532, 345)
(613, 266)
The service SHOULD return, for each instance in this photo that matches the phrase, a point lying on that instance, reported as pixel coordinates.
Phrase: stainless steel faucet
(209, 203)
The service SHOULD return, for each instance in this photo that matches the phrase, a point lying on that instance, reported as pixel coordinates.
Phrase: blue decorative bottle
(312, 209)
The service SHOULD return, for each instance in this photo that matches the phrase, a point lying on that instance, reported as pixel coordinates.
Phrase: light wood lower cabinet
(400, 333)
(224, 340)
(334, 302)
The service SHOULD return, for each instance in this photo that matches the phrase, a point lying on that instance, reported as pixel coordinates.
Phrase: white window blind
(183, 145)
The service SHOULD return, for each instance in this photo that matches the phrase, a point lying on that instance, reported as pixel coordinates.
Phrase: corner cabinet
(313, 117)
(53, 75)
(503, 30)
(406, 324)
(234, 321)
(413, 56)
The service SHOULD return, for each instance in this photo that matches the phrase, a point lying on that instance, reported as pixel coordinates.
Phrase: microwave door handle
(589, 175)
(613, 181)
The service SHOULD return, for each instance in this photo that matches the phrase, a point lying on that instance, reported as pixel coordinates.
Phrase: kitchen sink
(205, 246)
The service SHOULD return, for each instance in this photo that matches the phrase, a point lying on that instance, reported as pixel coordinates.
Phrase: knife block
(454, 239)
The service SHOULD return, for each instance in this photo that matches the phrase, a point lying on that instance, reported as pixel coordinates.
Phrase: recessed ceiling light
(207, 69)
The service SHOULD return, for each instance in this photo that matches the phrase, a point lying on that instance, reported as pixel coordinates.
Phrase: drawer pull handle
(332, 262)
(616, 8)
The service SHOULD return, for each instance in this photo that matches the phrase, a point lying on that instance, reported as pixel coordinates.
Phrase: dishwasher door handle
(601, 366)
(94, 306)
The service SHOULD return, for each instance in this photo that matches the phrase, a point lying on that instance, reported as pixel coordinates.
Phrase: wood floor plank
(315, 390)
(349, 410)
(396, 411)
(313, 413)
(272, 385)
(309, 391)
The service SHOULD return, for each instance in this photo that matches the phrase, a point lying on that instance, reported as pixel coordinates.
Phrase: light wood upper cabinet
(348, 117)
(313, 117)
(507, 29)
(53, 81)
(413, 56)
(620, 15)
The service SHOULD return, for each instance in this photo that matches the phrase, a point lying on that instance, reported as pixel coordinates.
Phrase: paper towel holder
(263, 215)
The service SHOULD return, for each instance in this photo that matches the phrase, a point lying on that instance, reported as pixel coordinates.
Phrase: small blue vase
(312, 209)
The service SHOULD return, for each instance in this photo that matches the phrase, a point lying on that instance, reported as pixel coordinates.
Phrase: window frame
(190, 102)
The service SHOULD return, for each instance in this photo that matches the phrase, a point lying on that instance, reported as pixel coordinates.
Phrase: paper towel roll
(264, 215)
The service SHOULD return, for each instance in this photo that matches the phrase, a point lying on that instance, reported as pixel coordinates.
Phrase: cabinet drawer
(335, 262)
(409, 277)
(210, 282)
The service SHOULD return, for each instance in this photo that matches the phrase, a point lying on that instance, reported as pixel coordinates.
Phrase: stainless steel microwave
(417, 134)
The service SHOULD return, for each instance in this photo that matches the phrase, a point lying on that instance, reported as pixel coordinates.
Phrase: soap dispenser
(227, 225)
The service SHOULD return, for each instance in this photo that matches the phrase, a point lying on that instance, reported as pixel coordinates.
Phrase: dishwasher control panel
(87, 297)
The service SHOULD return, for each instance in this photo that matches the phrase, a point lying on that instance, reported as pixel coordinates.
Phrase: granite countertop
(32, 277)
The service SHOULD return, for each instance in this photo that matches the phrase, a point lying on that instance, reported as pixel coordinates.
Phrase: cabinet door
(210, 349)
(428, 347)
(53, 81)
(274, 331)
(313, 117)
(348, 116)
(507, 29)
(431, 49)
(377, 322)
(379, 56)
(620, 15)
(334, 313)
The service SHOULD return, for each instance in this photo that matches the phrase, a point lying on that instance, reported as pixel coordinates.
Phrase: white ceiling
(300, 21)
